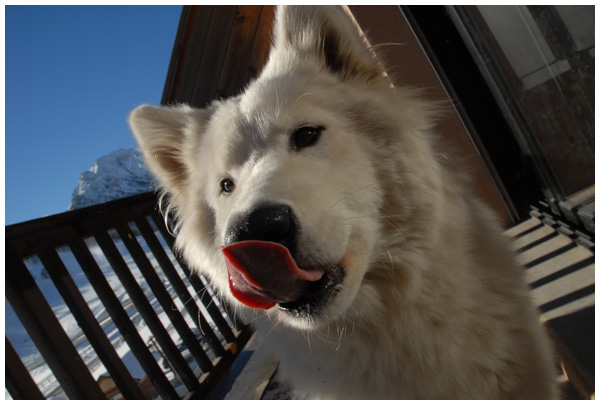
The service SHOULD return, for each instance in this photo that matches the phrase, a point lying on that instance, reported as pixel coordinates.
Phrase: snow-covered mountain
(117, 175)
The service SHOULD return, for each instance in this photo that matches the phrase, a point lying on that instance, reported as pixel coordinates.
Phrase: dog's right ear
(162, 134)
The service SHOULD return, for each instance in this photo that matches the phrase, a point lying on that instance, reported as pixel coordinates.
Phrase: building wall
(218, 49)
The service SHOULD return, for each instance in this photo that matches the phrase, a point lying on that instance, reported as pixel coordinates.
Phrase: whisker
(302, 95)
(349, 194)
(391, 260)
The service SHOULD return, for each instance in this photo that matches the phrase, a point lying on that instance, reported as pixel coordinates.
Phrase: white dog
(319, 205)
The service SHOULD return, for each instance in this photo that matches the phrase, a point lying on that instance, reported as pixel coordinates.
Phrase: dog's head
(278, 191)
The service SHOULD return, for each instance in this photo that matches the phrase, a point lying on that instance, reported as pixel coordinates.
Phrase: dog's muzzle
(260, 253)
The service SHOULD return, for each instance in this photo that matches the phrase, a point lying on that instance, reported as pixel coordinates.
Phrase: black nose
(271, 223)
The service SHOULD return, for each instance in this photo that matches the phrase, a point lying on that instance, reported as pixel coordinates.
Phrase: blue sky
(72, 74)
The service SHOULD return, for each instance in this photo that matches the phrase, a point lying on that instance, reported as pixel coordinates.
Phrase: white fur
(432, 304)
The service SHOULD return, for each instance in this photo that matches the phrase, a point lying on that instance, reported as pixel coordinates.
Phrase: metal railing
(121, 289)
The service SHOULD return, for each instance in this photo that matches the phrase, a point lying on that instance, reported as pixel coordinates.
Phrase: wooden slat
(167, 266)
(215, 51)
(89, 325)
(18, 382)
(198, 285)
(31, 237)
(559, 268)
(187, 53)
(222, 366)
(163, 297)
(262, 43)
(43, 327)
(522, 229)
(233, 73)
(561, 275)
(173, 80)
(539, 268)
(141, 302)
(180, 289)
(530, 238)
(121, 320)
(218, 50)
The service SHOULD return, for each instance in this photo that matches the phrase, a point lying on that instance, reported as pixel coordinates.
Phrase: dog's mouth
(264, 274)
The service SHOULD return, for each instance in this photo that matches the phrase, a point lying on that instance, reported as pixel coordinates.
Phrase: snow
(112, 176)
(117, 175)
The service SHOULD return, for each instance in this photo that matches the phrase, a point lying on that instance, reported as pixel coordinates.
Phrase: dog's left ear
(327, 35)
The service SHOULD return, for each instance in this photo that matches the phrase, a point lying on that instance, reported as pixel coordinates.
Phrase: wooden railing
(168, 318)
(559, 263)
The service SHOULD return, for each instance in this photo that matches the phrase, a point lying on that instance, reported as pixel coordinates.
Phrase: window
(537, 62)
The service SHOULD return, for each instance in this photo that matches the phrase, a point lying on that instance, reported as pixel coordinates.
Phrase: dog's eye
(305, 136)
(227, 186)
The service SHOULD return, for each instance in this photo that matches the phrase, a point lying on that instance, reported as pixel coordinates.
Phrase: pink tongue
(262, 274)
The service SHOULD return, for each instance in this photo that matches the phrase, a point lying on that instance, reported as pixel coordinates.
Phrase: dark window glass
(539, 63)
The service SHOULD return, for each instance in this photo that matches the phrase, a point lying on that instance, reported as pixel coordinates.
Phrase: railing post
(19, 383)
(89, 325)
(46, 332)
